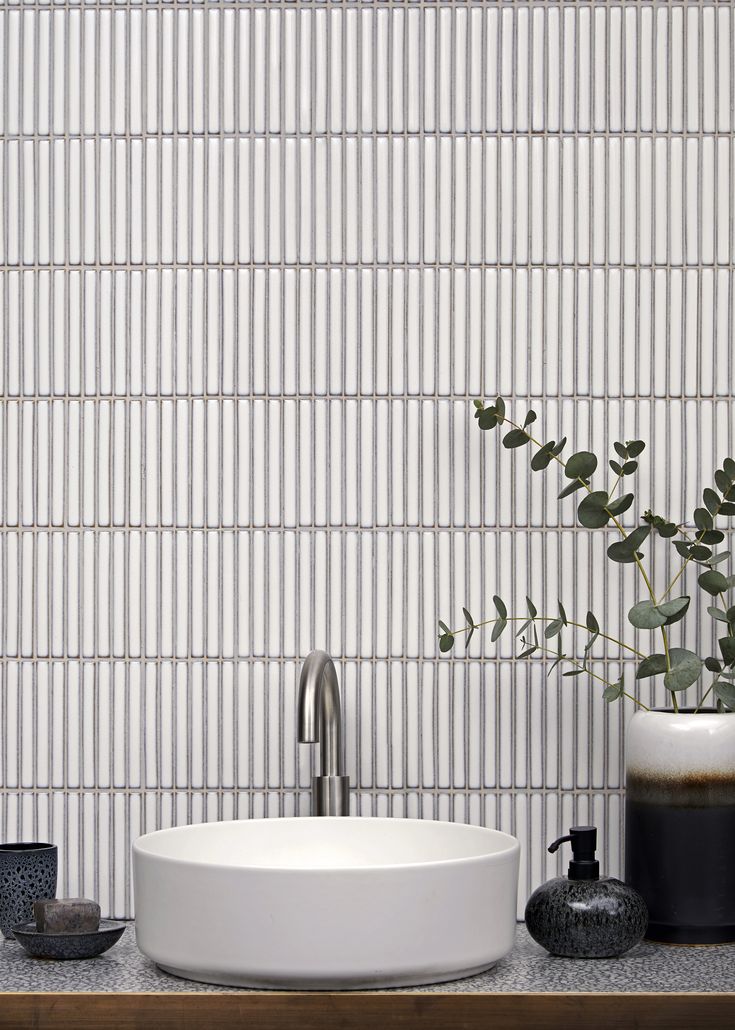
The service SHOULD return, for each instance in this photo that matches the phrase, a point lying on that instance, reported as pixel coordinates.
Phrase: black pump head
(584, 865)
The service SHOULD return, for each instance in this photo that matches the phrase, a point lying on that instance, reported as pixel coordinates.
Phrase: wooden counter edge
(365, 1011)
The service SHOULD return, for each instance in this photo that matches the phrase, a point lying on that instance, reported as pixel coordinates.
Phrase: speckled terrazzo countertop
(528, 969)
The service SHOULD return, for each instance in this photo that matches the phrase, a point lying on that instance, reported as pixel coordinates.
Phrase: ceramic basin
(325, 903)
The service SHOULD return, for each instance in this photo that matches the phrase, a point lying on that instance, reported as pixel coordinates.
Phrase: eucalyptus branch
(681, 668)
(582, 666)
(543, 618)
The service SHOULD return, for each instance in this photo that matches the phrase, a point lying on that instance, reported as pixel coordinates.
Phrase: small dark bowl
(68, 945)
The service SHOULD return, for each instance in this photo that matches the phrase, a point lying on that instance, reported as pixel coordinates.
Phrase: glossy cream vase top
(680, 745)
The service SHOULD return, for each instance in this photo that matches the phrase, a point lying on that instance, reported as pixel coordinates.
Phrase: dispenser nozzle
(584, 865)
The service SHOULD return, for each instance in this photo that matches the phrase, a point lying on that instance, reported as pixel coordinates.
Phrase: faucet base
(330, 795)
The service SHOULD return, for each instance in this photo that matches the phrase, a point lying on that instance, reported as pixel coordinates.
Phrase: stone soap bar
(66, 915)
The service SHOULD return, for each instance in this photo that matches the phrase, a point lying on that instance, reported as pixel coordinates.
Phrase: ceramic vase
(680, 823)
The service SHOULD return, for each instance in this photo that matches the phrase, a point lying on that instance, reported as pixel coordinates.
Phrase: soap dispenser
(584, 915)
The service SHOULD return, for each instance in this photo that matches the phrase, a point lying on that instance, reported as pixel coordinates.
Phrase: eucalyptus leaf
(653, 665)
(674, 610)
(487, 418)
(621, 449)
(727, 508)
(717, 613)
(563, 614)
(645, 615)
(712, 536)
(702, 519)
(530, 417)
(686, 668)
(570, 488)
(713, 665)
(682, 547)
(621, 504)
(500, 607)
(498, 629)
(616, 467)
(713, 582)
(515, 438)
(446, 642)
(531, 608)
(722, 482)
(727, 650)
(613, 691)
(500, 407)
(635, 447)
(698, 552)
(542, 457)
(591, 511)
(711, 501)
(725, 692)
(717, 558)
(573, 672)
(580, 465)
(525, 654)
(629, 467)
(553, 629)
(728, 467)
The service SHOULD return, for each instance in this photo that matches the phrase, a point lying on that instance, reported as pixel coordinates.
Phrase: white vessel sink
(325, 903)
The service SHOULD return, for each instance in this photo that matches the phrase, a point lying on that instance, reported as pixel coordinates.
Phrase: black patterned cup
(27, 874)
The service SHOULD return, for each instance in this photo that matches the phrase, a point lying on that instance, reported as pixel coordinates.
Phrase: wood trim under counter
(366, 1011)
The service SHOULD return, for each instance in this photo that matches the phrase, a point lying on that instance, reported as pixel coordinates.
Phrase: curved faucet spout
(320, 720)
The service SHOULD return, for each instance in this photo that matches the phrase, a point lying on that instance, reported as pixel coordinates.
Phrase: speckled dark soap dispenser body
(586, 918)
(585, 915)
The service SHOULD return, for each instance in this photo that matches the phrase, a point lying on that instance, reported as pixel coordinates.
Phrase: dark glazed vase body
(680, 824)
(586, 918)
(27, 874)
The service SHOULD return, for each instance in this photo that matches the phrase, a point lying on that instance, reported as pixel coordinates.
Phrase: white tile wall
(256, 259)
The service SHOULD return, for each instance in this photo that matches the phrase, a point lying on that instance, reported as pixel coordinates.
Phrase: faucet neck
(320, 713)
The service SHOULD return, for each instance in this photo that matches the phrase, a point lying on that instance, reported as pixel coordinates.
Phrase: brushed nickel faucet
(320, 720)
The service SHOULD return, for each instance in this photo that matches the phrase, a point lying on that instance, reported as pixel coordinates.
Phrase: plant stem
(697, 540)
(622, 532)
(547, 618)
(592, 675)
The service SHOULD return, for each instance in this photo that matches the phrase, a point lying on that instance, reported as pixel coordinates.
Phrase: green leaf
(711, 500)
(620, 505)
(498, 629)
(530, 417)
(626, 551)
(717, 558)
(682, 547)
(531, 608)
(717, 613)
(712, 536)
(621, 449)
(697, 552)
(727, 508)
(674, 610)
(563, 614)
(500, 407)
(645, 615)
(727, 649)
(713, 582)
(725, 692)
(613, 691)
(594, 628)
(443, 627)
(478, 404)
(487, 418)
(570, 488)
(591, 511)
(629, 467)
(713, 665)
(515, 438)
(686, 668)
(580, 465)
(542, 457)
(635, 447)
(471, 624)
(728, 466)
(446, 642)
(500, 607)
(617, 469)
(654, 665)
(702, 519)
(574, 672)
(527, 652)
(553, 629)
(722, 482)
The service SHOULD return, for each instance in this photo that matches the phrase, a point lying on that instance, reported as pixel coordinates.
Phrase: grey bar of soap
(66, 915)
